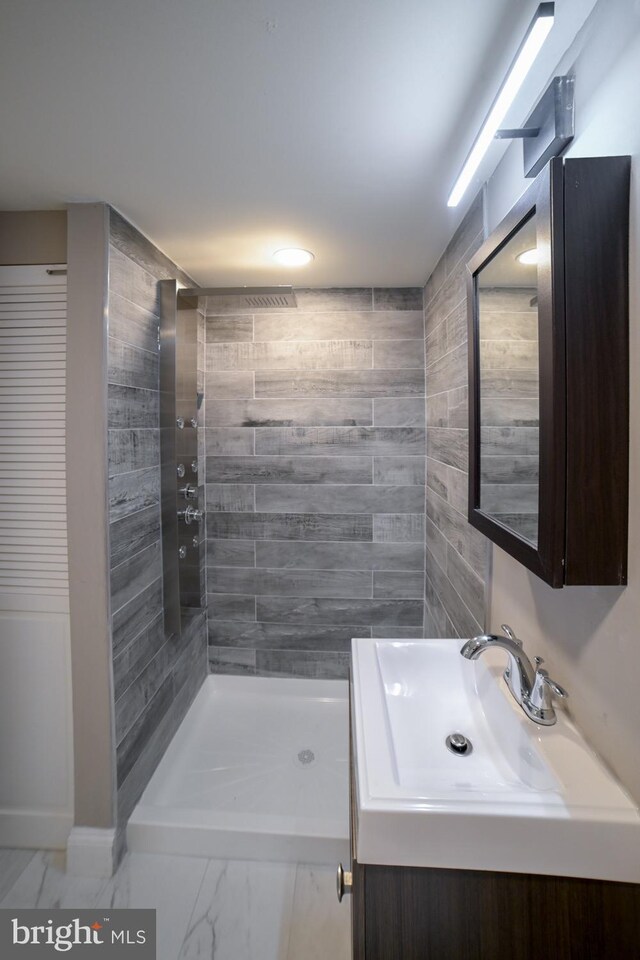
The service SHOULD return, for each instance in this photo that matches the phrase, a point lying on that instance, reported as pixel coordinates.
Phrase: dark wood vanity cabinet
(418, 913)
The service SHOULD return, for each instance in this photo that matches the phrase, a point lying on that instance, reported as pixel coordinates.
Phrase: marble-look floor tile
(243, 912)
(218, 909)
(320, 926)
(12, 865)
(45, 884)
(167, 884)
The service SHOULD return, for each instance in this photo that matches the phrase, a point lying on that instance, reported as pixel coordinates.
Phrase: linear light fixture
(528, 51)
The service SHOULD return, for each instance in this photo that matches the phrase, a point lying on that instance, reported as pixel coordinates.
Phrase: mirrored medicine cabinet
(549, 375)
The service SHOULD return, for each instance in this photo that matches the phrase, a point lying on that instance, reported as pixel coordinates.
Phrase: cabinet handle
(344, 882)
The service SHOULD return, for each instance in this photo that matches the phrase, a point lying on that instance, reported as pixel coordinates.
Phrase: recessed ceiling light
(528, 257)
(293, 257)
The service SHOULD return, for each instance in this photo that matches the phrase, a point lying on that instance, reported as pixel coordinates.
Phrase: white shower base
(258, 770)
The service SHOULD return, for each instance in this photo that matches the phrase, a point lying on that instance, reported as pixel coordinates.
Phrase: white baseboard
(91, 852)
(35, 829)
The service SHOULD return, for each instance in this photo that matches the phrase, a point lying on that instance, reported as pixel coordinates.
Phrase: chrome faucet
(532, 687)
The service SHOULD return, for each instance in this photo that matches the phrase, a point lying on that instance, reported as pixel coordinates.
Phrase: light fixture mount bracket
(518, 133)
(549, 128)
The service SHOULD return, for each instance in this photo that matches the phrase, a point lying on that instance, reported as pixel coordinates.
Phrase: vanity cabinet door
(427, 914)
(357, 872)
(358, 951)
(357, 879)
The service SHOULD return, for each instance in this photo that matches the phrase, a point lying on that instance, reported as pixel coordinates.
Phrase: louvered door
(33, 526)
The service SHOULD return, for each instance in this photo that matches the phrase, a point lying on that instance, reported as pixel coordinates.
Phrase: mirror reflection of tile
(509, 407)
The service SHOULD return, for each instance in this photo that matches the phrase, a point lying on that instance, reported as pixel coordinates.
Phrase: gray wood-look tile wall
(155, 678)
(455, 551)
(314, 444)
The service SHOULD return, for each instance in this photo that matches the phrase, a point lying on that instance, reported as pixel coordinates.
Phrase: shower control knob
(190, 515)
(181, 470)
(180, 423)
(182, 552)
(189, 492)
(194, 466)
(194, 423)
(195, 543)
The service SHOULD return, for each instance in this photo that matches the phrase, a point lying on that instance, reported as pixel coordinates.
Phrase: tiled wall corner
(155, 678)
(455, 551)
(314, 479)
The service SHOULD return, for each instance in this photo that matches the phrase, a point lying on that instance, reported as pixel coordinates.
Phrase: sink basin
(429, 694)
(521, 797)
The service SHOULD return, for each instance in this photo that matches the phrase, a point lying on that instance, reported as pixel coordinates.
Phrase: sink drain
(458, 744)
(306, 756)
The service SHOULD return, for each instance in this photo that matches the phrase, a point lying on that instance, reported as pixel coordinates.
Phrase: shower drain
(306, 756)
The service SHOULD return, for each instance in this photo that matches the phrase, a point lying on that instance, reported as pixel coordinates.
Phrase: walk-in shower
(259, 767)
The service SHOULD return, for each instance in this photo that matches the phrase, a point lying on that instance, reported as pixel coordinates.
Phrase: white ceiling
(225, 129)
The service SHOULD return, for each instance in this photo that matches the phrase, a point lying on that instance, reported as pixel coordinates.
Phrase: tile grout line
(464, 605)
(133, 303)
(168, 670)
(138, 635)
(133, 346)
(132, 513)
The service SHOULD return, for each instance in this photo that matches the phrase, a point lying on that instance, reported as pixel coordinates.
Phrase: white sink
(430, 693)
(523, 798)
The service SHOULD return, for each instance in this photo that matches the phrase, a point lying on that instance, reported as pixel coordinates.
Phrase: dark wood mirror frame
(582, 224)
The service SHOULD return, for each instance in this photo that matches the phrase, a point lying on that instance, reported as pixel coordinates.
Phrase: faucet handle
(508, 632)
(540, 700)
(555, 688)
